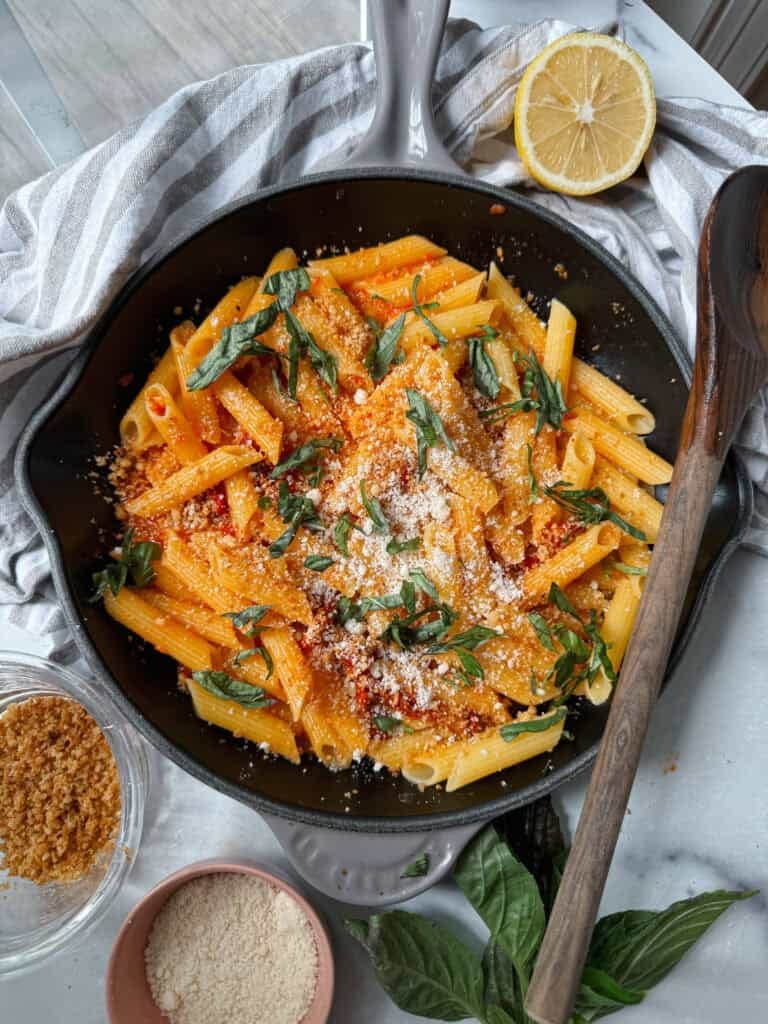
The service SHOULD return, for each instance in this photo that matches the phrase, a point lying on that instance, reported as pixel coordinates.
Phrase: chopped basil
(135, 559)
(305, 456)
(381, 298)
(384, 352)
(417, 868)
(250, 616)
(559, 600)
(302, 343)
(388, 724)
(250, 652)
(375, 511)
(484, 372)
(543, 633)
(317, 563)
(235, 341)
(630, 570)
(462, 644)
(395, 547)
(420, 627)
(589, 506)
(296, 510)
(341, 534)
(227, 688)
(264, 501)
(531, 476)
(513, 729)
(430, 431)
(418, 309)
(424, 583)
(549, 402)
(285, 284)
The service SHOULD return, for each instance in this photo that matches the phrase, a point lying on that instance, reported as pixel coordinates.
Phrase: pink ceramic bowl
(129, 1000)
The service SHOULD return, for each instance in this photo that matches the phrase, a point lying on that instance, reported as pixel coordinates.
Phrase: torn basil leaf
(513, 729)
(429, 428)
(484, 372)
(227, 688)
(383, 353)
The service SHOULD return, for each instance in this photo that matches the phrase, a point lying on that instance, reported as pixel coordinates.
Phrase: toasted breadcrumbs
(59, 790)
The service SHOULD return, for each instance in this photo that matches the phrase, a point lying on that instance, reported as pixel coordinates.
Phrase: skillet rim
(266, 805)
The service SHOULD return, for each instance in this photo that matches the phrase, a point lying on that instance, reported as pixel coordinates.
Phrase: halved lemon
(584, 114)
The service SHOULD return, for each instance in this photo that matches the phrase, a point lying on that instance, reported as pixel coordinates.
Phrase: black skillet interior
(619, 331)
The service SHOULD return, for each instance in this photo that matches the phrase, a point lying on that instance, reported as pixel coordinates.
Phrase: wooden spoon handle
(561, 958)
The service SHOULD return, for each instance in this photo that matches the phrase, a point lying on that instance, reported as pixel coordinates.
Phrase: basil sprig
(419, 309)
(510, 883)
(589, 506)
(228, 688)
(430, 431)
(296, 510)
(384, 352)
(462, 644)
(318, 563)
(135, 560)
(239, 339)
(549, 402)
(484, 372)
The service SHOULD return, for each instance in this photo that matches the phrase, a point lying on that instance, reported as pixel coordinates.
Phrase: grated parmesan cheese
(231, 949)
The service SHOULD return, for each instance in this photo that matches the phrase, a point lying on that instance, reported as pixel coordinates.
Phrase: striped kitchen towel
(69, 240)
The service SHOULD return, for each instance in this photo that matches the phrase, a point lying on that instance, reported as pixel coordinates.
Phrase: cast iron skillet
(620, 330)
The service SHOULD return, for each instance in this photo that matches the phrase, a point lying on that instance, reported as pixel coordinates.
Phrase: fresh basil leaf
(424, 583)
(135, 560)
(474, 637)
(375, 511)
(317, 563)
(549, 402)
(383, 352)
(285, 284)
(599, 658)
(264, 501)
(140, 560)
(224, 686)
(630, 570)
(513, 729)
(389, 724)
(638, 948)
(559, 600)
(296, 346)
(358, 929)
(589, 506)
(113, 578)
(296, 510)
(531, 476)
(416, 629)
(599, 994)
(471, 667)
(504, 894)
(423, 968)
(341, 534)
(248, 616)
(484, 372)
(502, 987)
(408, 596)
(396, 547)
(430, 431)
(324, 363)
(418, 309)
(306, 453)
(542, 630)
(235, 341)
(496, 1015)
(534, 836)
(417, 868)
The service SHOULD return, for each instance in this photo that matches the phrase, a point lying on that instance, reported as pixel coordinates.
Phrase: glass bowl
(37, 920)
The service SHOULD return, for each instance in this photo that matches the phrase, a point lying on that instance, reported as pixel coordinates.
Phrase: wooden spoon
(730, 368)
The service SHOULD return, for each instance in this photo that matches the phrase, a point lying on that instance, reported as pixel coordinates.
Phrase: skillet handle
(406, 43)
(365, 868)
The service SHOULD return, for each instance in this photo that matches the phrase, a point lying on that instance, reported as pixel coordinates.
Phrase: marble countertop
(698, 816)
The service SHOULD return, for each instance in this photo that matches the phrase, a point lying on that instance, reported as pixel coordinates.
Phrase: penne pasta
(260, 727)
(192, 479)
(572, 561)
(434, 277)
(489, 753)
(453, 324)
(172, 425)
(632, 501)
(529, 331)
(243, 502)
(558, 346)
(389, 256)
(199, 406)
(159, 629)
(617, 404)
(291, 666)
(262, 428)
(136, 428)
(623, 450)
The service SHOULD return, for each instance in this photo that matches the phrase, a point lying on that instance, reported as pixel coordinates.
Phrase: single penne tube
(578, 462)
(192, 479)
(618, 405)
(629, 499)
(243, 502)
(178, 559)
(489, 752)
(247, 410)
(258, 581)
(558, 346)
(528, 329)
(434, 277)
(172, 425)
(293, 669)
(167, 582)
(378, 259)
(463, 478)
(572, 561)
(350, 729)
(159, 628)
(136, 428)
(199, 406)
(455, 323)
(516, 445)
(466, 293)
(395, 750)
(544, 510)
(209, 624)
(284, 259)
(254, 724)
(623, 450)
(616, 629)
(229, 310)
(430, 766)
(328, 745)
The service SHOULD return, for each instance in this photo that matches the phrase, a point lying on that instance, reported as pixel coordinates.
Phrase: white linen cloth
(69, 240)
